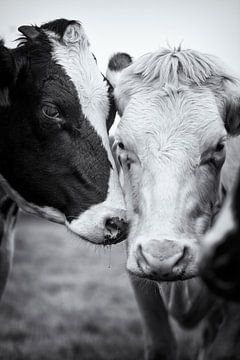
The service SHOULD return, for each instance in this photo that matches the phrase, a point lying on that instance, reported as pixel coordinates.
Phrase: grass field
(67, 300)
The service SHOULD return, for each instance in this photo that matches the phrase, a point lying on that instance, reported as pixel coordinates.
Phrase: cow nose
(158, 259)
(115, 230)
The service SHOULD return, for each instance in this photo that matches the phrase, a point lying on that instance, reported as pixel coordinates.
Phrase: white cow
(178, 108)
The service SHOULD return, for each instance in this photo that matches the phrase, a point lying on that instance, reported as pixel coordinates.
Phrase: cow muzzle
(116, 230)
(161, 260)
(100, 225)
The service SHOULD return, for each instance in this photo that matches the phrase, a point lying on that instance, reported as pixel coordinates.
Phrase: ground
(67, 300)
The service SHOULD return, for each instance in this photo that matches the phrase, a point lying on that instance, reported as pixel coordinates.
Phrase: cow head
(55, 111)
(177, 111)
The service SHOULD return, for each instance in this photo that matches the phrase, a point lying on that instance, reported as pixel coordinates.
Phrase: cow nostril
(161, 259)
(182, 257)
(115, 230)
(141, 255)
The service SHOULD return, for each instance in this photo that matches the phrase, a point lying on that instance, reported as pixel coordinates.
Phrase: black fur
(7, 66)
(112, 107)
(58, 26)
(119, 61)
(61, 164)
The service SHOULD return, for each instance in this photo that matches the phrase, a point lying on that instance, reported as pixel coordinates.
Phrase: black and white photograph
(120, 180)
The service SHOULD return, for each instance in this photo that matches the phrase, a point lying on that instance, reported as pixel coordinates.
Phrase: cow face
(56, 109)
(171, 146)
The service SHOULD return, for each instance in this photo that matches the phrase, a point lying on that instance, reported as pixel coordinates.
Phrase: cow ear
(232, 115)
(116, 64)
(7, 66)
(29, 31)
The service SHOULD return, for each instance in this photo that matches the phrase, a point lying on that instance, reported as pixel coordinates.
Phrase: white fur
(113, 76)
(168, 127)
(169, 144)
(172, 103)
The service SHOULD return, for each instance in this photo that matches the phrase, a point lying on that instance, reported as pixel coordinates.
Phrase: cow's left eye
(121, 145)
(51, 111)
(220, 146)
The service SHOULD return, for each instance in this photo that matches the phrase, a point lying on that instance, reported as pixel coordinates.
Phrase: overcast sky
(137, 27)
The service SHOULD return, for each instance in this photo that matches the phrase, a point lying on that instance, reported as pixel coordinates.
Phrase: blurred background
(69, 300)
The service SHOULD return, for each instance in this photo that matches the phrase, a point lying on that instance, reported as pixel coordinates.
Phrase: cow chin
(165, 260)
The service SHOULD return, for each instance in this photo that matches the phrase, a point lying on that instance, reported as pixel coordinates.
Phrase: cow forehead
(171, 118)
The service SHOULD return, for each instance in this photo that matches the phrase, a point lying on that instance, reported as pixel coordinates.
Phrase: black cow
(55, 160)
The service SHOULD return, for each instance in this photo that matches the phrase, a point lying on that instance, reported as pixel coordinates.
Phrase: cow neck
(47, 213)
(188, 302)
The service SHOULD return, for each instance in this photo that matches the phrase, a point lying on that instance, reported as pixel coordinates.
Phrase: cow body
(55, 110)
(178, 111)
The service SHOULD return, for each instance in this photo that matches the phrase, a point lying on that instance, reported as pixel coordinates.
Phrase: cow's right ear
(7, 67)
(117, 63)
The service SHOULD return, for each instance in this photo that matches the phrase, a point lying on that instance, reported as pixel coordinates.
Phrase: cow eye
(220, 146)
(121, 145)
(51, 111)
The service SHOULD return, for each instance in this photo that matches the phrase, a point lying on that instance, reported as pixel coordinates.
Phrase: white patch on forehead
(75, 57)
